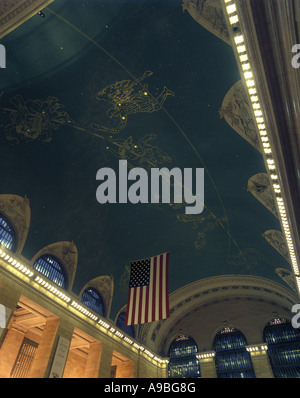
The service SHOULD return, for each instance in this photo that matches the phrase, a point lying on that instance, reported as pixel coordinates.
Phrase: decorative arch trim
(210, 291)
(66, 253)
(17, 211)
(105, 286)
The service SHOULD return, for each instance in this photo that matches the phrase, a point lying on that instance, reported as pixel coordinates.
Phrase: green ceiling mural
(98, 81)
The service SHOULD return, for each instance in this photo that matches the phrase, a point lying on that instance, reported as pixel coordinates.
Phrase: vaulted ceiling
(60, 123)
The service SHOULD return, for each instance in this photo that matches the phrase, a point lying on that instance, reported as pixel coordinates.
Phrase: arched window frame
(90, 296)
(8, 236)
(183, 361)
(283, 348)
(232, 359)
(51, 267)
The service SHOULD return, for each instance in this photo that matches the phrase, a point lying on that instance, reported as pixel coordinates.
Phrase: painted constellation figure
(33, 119)
(139, 154)
(128, 97)
(249, 259)
(36, 119)
(207, 223)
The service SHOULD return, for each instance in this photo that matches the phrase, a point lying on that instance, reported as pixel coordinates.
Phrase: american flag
(148, 295)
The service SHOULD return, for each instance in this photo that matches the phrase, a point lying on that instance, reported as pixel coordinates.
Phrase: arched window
(52, 269)
(121, 325)
(92, 299)
(232, 359)
(183, 360)
(283, 348)
(7, 234)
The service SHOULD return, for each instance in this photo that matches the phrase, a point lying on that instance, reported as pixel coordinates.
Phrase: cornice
(210, 291)
(269, 29)
(163, 338)
(15, 12)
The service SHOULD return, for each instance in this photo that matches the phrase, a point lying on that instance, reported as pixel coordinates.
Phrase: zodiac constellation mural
(143, 154)
(207, 223)
(128, 97)
(248, 259)
(33, 119)
(36, 119)
(28, 120)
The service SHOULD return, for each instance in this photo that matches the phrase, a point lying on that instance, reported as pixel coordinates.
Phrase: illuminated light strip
(13, 262)
(149, 353)
(80, 308)
(131, 342)
(159, 360)
(234, 19)
(239, 39)
(138, 347)
(53, 289)
(104, 324)
(232, 12)
(257, 348)
(231, 9)
(206, 355)
(128, 340)
(119, 334)
(145, 351)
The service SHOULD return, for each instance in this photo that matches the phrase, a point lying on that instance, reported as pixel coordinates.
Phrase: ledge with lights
(257, 348)
(29, 275)
(206, 355)
(244, 63)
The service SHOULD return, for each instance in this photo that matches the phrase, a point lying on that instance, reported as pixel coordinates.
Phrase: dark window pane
(92, 299)
(7, 234)
(283, 348)
(232, 359)
(52, 269)
(183, 360)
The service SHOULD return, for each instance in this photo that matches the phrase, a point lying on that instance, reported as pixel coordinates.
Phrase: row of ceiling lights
(260, 122)
(253, 348)
(17, 266)
(250, 83)
(42, 282)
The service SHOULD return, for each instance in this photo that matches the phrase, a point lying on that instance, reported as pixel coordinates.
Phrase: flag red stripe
(167, 285)
(133, 306)
(140, 305)
(160, 299)
(147, 305)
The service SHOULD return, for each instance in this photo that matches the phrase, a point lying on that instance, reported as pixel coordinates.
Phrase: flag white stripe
(143, 304)
(137, 303)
